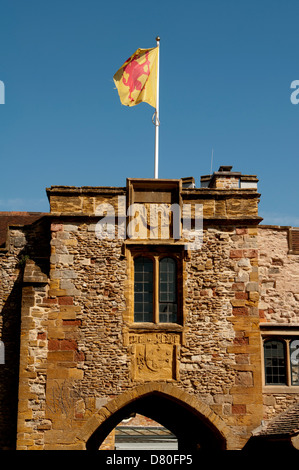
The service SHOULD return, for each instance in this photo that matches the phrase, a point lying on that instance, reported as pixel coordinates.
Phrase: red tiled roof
(16, 218)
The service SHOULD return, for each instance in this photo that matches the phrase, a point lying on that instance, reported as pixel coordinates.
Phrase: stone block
(54, 284)
(56, 227)
(68, 285)
(68, 344)
(239, 409)
(250, 253)
(208, 207)
(236, 254)
(240, 311)
(100, 402)
(244, 379)
(69, 312)
(57, 292)
(19, 241)
(252, 287)
(70, 228)
(254, 296)
(76, 374)
(65, 300)
(254, 276)
(57, 373)
(71, 242)
(275, 270)
(238, 302)
(244, 263)
(242, 359)
(241, 295)
(62, 259)
(61, 356)
(62, 204)
(64, 274)
(269, 400)
(238, 286)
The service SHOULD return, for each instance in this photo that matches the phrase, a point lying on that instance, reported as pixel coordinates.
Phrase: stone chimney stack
(226, 179)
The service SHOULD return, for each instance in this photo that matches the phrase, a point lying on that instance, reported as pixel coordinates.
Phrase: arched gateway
(195, 425)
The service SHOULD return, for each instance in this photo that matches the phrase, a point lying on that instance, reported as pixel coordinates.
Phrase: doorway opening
(138, 432)
(188, 427)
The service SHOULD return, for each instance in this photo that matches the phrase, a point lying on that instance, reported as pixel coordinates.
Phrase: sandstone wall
(221, 361)
(77, 355)
(279, 277)
(279, 302)
(21, 245)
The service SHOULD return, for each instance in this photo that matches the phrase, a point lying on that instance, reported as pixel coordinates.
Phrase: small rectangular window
(294, 241)
(167, 291)
(143, 290)
(281, 360)
(156, 290)
(275, 370)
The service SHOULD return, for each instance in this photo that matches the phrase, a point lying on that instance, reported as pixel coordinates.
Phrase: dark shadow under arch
(192, 429)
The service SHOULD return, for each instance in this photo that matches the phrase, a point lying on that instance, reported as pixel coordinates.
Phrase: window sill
(155, 326)
(281, 389)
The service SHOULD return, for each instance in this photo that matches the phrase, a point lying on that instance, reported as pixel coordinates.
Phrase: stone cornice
(211, 193)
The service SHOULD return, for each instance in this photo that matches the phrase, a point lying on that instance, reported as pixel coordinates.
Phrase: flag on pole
(136, 80)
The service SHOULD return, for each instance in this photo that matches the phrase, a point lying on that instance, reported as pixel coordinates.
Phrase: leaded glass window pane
(167, 291)
(294, 358)
(143, 290)
(275, 367)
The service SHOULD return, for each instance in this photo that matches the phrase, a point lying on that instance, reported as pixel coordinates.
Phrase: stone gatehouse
(158, 298)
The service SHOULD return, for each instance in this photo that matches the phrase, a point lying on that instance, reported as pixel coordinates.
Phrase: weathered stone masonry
(17, 245)
(82, 357)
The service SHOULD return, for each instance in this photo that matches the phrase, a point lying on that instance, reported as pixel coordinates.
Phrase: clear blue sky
(226, 69)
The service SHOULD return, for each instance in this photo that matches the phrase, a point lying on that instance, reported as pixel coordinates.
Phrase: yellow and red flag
(136, 80)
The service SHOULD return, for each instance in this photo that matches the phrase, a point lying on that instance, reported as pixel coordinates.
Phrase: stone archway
(193, 422)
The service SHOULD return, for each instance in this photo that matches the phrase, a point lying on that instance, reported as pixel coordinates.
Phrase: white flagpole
(157, 122)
